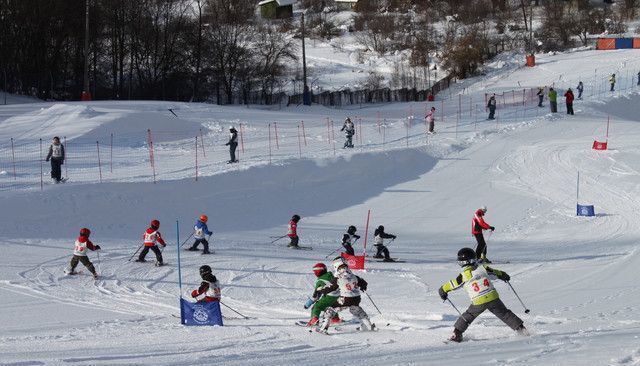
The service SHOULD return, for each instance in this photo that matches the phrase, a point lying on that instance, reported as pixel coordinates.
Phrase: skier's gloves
(443, 294)
(492, 228)
(394, 237)
(505, 277)
(98, 247)
(363, 287)
(163, 245)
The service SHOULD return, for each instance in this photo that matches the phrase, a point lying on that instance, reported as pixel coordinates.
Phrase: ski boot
(141, 260)
(95, 276)
(336, 320)
(366, 325)
(206, 252)
(192, 249)
(388, 260)
(313, 321)
(159, 264)
(456, 336)
(523, 331)
(378, 256)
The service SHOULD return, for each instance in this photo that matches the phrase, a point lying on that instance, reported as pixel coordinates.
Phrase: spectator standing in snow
(638, 77)
(553, 100)
(56, 155)
(233, 144)
(431, 119)
(569, 100)
(540, 95)
(349, 130)
(612, 81)
(492, 107)
(580, 89)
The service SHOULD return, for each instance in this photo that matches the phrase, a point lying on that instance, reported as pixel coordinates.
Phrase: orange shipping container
(606, 44)
(636, 43)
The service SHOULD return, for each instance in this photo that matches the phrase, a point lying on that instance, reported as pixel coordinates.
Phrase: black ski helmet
(205, 270)
(381, 228)
(295, 218)
(351, 230)
(466, 256)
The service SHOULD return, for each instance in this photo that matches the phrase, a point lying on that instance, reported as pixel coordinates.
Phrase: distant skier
(209, 290)
(553, 100)
(580, 89)
(379, 236)
(612, 81)
(431, 119)
(349, 131)
(200, 229)
(477, 225)
(80, 253)
(492, 107)
(322, 302)
(476, 281)
(638, 78)
(540, 95)
(349, 286)
(349, 239)
(292, 232)
(151, 238)
(569, 101)
(56, 155)
(233, 144)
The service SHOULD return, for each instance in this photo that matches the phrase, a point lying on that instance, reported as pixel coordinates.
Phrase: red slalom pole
(304, 134)
(360, 129)
(41, 168)
(196, 158)
(275, 130)
(442, 111)
(66, 159)
(111, 155)
(333, 138)
(241, 138)
(202, 144)
(328, 133)
(299, 144)
(13, 160)
(99, 164)
(406, 125)
(269, 143)
(366, 232)
(151, 156)
(608, 120)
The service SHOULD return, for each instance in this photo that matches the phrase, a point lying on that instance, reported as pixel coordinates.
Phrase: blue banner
(200, 313)
(586, 210)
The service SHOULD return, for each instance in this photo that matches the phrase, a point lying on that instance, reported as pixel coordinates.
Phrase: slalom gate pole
(185, 241)
(179, 269)
(374, 304)
(277, 238)
(136, 252)
(526, 310)
(230, 308)
(450, 302)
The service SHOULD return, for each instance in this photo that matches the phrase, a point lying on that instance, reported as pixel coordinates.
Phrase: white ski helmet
(338, 263)
(483, 209)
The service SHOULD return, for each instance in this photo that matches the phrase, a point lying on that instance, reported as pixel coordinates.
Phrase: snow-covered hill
(577, 275)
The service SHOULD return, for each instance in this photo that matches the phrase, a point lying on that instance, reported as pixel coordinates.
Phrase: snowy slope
(577, 275)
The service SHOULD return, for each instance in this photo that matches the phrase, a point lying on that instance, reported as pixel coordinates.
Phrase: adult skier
(200, 229)
(56, 155)
(476, 281)
(233, 144)
(540, 95)
(612, 81)
(349, 131)
(569, 101)
(553, 100)
(492, 107)
(209, 289)
(477, 225)
(349, 286)
(431, 119)
(580, 89)
(152, 238)
(80, 253)
(378, 240)
(292, 232)
(349, 239)
(322, 302)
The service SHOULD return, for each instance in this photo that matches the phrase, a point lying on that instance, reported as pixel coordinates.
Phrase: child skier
(477, 225)
(209, 289)
(349, 131)
(349, 286)
(540, 95)
(580, 89)
(292, 232)
(484, 296)
(80, 253)
(350, 238)
(200, 229)
(491, 104)
(321, 303)
(431, 120)
(151, 237)
(378, 241)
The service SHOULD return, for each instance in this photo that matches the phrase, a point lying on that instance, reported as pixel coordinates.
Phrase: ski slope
(577, 275)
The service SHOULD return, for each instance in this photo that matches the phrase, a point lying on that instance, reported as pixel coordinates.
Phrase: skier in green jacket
(320, 304)
(475, 279)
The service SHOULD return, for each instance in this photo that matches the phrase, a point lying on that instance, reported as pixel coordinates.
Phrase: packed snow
(576, 274)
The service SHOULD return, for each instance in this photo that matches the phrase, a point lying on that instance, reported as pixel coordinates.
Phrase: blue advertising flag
(200, 313)
(586, 210)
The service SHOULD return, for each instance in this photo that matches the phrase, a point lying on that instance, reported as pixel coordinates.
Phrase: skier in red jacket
(477, 225)
(152, 236)
(569, 101)
(80, 253)
(292, 231)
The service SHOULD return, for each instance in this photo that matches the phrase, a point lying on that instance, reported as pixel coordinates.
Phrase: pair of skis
(299, 247)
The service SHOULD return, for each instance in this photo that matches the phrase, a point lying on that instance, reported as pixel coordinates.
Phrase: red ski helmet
(319, 269)
(204, 218)
(155, 224)
(85, 232)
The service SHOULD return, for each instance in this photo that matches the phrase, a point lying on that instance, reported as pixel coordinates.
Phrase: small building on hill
(276, 9)
(346, 4)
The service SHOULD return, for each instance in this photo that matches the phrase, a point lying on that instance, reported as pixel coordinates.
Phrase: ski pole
(374, 304)
(526, 311)
(450, 302)
(230, 308)
(327, 256)
(134, 254)
(186, 240)
(99, 268)
(277, 238)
